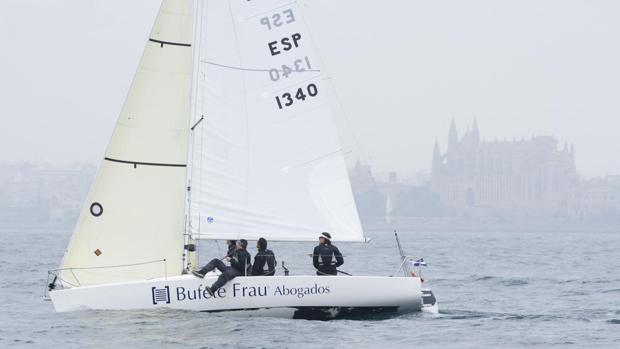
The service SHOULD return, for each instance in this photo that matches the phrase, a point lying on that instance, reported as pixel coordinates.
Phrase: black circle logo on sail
(96, 209)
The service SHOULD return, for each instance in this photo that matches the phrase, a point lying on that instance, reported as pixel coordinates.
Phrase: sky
(400, 69)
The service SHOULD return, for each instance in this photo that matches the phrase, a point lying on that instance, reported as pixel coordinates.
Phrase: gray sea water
(503, 290)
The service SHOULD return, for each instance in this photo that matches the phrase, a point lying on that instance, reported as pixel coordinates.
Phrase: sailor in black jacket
(240, 264)
(263, 256)
(322, 257)
(232, 248)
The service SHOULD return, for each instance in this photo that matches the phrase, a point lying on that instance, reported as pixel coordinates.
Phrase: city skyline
(353, 158)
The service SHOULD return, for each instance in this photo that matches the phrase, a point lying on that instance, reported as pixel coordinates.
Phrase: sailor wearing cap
(322, 257)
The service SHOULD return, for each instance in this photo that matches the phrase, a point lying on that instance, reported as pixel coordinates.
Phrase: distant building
(390, 199)
(361, 176)
(597, 197)
(477, 185)
(370, 201)
(42, 194)
(529, 176)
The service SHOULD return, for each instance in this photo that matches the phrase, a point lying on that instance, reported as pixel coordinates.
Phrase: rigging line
(199, 140)
(256, 69)
(337, 152)
(63, 281)
(197, 42)
(76, 278)
(110, 266)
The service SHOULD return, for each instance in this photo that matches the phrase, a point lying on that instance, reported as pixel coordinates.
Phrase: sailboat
(226, 133)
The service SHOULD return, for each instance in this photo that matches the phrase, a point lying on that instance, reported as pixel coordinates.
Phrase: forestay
(132, 224)
(267, 160)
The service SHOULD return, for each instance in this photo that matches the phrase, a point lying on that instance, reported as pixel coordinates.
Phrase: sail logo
(161, 295)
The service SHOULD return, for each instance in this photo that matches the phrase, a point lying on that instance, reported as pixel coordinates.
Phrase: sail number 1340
(287, 99)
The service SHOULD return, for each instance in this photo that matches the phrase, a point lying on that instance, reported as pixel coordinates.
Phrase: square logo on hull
(161, 295)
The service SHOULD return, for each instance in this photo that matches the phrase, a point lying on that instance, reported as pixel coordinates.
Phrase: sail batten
(144, 163)
(161, 42)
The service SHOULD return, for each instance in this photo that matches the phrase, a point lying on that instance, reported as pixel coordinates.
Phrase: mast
(189, 247)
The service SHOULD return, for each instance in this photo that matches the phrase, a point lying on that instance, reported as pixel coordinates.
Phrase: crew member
(240, 264)
(263, 256)
(232, 248)
(322, 257)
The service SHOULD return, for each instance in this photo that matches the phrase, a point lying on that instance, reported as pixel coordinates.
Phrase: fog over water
(401, 70)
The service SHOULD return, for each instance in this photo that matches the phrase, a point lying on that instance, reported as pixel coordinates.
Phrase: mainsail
(132, 225)
(267, 160)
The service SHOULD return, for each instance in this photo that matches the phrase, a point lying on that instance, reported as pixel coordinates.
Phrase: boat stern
(429, 302)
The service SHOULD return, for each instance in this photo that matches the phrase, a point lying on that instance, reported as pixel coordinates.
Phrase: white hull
(309, 297)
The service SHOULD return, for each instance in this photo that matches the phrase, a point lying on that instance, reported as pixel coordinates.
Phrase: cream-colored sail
(131, 227)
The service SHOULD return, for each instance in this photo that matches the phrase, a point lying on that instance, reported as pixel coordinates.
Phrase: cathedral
(526, 176)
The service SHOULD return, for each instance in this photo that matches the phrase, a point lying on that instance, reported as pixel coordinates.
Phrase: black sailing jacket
(322, 258)
(262, 257)
(242, 262)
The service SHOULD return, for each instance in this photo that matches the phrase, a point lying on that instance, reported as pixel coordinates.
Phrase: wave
(570, 281)
(615, 290)
(599, 281)
(514, 282)
(486, 278)
(467, 314)
(503, 281)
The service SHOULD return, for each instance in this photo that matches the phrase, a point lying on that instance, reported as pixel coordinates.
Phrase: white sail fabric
(131, 226)
(267, 159)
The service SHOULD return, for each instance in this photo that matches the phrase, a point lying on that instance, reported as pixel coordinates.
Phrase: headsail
(267, 160)
(132, 224)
